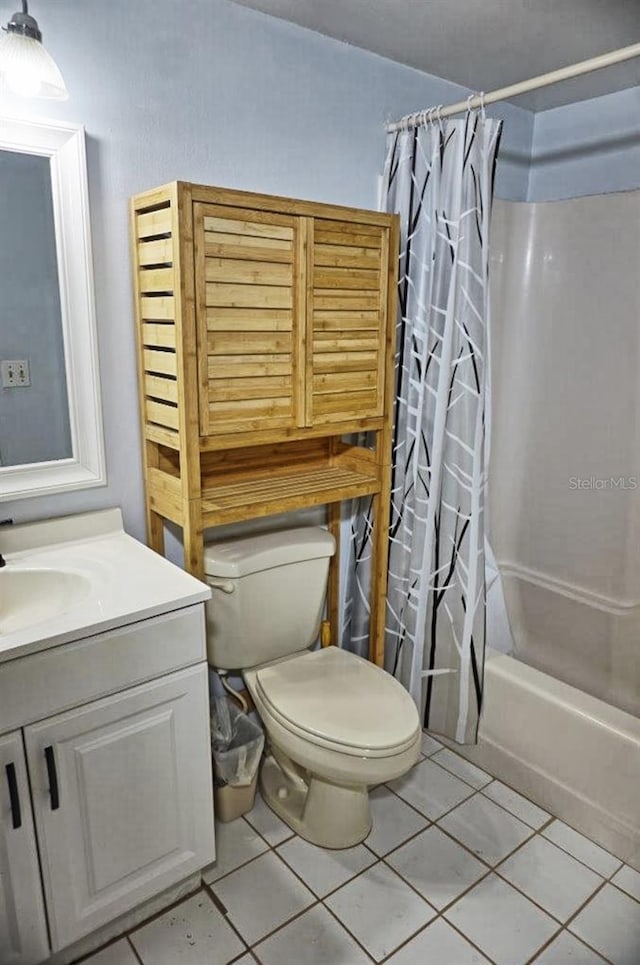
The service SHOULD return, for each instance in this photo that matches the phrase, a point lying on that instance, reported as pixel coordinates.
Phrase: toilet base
(326, 814)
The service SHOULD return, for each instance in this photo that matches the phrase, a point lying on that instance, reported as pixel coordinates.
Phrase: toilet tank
(267, 595)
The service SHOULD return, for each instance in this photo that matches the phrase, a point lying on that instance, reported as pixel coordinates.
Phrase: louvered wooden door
(249, 288)
(346, 321)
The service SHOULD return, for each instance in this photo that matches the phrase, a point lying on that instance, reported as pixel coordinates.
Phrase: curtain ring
(482, 111)
(439, 116)
(469, 99)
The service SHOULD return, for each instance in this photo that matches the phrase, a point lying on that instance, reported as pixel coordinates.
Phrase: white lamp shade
(27, 69)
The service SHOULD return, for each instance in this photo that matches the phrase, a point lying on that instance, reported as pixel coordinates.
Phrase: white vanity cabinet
(23, 929)
(106, 770)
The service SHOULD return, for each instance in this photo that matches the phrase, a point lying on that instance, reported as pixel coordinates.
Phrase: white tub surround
(565, 471)
(105, 760)
(585, 639)
(566, 750)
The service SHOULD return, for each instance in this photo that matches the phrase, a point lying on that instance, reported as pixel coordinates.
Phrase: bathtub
(568, 751)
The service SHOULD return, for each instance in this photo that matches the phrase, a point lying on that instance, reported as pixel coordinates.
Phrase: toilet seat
(339, 701)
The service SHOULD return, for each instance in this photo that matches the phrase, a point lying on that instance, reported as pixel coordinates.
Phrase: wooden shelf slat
(258, 494)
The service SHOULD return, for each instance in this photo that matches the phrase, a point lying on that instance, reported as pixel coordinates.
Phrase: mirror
(50, 421)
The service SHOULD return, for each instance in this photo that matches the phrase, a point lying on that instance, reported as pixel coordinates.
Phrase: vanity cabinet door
(123, 800)
(346, 321)
(23, 930)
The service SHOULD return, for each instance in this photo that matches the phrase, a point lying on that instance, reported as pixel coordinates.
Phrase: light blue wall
(591, 147)
(212, 92)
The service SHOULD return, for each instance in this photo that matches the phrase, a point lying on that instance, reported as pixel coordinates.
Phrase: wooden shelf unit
(265, 336)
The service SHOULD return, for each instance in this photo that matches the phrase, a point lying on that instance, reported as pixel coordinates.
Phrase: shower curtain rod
(543, 80)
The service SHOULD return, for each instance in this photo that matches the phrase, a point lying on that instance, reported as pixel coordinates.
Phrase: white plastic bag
(237, 744)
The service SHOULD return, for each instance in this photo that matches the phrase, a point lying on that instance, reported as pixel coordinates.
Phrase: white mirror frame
(64, 145)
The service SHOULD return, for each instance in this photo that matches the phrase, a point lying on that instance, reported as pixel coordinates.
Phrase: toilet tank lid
(250, 554)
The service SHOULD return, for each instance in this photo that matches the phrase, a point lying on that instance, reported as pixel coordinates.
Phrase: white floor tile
(436, 866)
(610, 923)
(502, 922)
(628, 880)
(267, 823)
(393, 821)
(192, 933)
(380, 909)
(567, 950)
(518, 805)
(261, 896)
(314, 938)
(322, 870)
(551, 877)
(461, 768)
(236, 843)
(486, 829)
(430, 745)
(431, 789)
(119, 953)
(582, 848)
(439, 944)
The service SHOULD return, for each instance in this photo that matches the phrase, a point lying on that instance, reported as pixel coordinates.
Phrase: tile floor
(458, 870)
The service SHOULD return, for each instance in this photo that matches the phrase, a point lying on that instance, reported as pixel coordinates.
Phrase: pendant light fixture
(25, 66)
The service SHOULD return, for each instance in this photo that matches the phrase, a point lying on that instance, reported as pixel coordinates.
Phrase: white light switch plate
(14, 373)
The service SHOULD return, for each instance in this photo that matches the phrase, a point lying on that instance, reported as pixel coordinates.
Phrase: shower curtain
(439, 178)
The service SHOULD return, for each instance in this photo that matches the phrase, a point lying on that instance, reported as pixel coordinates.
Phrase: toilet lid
(333, 696)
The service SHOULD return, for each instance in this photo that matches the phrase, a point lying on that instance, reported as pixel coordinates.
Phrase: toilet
(335, 723)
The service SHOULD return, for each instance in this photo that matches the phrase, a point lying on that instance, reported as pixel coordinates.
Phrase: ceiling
(483, 44)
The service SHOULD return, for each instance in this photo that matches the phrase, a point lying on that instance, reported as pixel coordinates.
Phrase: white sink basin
(75, 577)
(29, 596)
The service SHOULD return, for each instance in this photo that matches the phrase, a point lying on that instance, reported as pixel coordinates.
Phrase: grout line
(555, 937)
(448, 811)
(441, 911)
(210, 884)
(549, 820)
(288, 921)
(478, 857)
(541, 907)
(133, 949)
(609, 881)
(579, 860)
(396, 847)
(220, 905)
(540, 950)
(98, 950)
(572, 917)
(342, 884)
(349, 932)
(467, 939)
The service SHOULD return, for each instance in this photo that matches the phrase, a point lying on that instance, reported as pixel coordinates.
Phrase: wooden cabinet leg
(378, 592)
(155, 531)
(333, 588)
(192, 537)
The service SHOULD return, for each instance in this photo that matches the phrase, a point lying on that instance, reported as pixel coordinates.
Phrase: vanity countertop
(86, 575)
